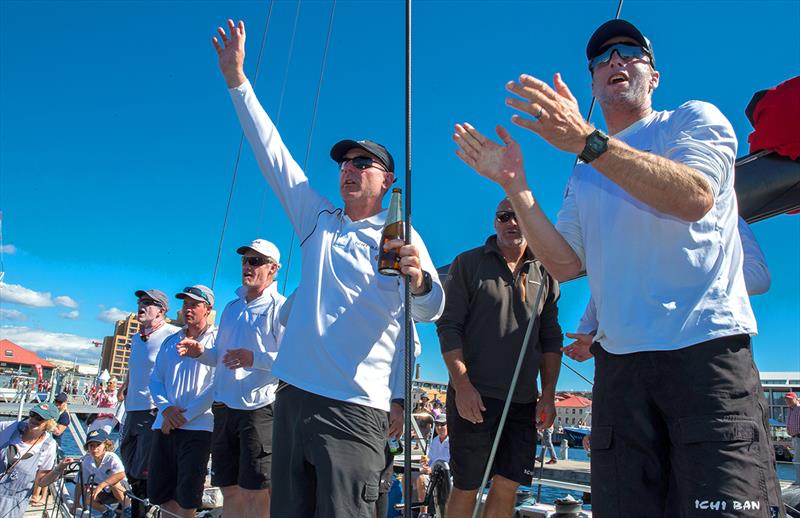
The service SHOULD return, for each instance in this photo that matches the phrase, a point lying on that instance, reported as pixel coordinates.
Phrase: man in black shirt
(489, 302)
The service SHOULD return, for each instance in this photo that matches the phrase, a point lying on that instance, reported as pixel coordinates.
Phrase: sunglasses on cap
(362, 162)
(196, 291)
(504, 216)
(626, 52)
(255, 261)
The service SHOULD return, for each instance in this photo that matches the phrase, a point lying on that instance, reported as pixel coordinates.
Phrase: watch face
(596, 145)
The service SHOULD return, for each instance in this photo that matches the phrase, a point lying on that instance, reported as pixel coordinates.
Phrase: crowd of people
(294, 400)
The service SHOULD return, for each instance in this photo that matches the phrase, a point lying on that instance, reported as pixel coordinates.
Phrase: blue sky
(118, 139)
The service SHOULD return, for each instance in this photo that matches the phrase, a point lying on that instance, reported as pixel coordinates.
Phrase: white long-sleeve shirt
(344, 338)
(254, 326)
(757, 278)
(183, 382)
(140, 366)
(660, 283)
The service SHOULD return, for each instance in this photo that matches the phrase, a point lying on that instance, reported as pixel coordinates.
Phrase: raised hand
(230, 51)
(502, 164)
(579, 349)
(190, 348)
(556, 115)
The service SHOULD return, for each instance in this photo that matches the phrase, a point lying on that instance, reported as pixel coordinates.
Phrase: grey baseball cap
(157, 295)
(197, 292)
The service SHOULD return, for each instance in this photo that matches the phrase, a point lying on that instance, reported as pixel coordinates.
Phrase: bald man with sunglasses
(343, 355)
(679, 424)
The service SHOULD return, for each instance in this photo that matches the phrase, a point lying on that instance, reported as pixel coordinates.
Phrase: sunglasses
(35, 417)
(626, 52)
(195, 291)
(504, 216)
(255, 261)
(148, 302)
(361, 162)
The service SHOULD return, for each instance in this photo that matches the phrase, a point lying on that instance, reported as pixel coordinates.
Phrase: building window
(9, 353)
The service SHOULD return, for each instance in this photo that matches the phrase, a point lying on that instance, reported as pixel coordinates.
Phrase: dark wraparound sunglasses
(362, 162)
(195, 291)
(504, 216)
(255, 261)
(626, 52)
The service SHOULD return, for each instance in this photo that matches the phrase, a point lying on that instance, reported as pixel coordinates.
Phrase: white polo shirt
(140, 366)
(250, 325)
(109, 465)
(185, 383)
(439, 450)
(344, 338)
(658, 282)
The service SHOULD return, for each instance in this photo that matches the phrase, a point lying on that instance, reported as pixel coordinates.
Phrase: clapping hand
(501, 164)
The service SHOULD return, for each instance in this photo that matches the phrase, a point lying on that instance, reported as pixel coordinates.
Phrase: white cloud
(18, 294)
(111, 315)
(72, 315)
(67, 302)
(49, 344)
(11, 314)
(8, 249)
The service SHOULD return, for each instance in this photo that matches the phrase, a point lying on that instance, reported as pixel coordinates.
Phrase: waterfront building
(117, 347)
(572, 410)
(18, 360)
(775, 386)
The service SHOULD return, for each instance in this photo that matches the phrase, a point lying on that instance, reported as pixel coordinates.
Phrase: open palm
(230, 51)
(500, 163)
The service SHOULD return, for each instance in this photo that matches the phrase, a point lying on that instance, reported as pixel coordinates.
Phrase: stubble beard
(633, 99)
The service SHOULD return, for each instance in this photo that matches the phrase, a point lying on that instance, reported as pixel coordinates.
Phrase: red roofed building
(572, 410)
(15, 358)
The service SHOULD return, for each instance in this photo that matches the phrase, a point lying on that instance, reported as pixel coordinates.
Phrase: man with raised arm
(342, 356)
(243, 353)
(650, 214)
(140, 410)
(491, 293)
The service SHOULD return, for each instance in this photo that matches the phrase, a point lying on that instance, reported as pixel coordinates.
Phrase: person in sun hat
(27, 455)
(183, 391)
(650, 214)
(344, 346)
(243, 353)
(140, 410)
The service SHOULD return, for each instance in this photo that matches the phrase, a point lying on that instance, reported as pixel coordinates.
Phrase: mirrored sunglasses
(626, 52)
(504, 216)
(255, 261)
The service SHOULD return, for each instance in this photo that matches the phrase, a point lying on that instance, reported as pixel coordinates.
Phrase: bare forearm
(549, 368)
(547, 244)
(667, 186)
(456, 367)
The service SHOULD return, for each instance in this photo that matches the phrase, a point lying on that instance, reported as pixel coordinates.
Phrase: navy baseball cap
(98, 435)
(614, 29)
(343, 146)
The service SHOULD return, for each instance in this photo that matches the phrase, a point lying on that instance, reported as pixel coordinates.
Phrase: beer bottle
(389, 262)
(395, 446)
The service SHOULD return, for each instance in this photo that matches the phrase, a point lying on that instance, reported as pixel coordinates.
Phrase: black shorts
(681, 433)
(178, 467)
(328, 456)
(470, 444)
(134, 446)
(241, 449)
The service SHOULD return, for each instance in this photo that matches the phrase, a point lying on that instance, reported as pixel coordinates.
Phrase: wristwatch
(596, 145)
(427, 284)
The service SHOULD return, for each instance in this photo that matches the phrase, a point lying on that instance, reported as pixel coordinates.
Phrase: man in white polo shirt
(140, 409)
(343, 355)
(244, 385)
(183, 391)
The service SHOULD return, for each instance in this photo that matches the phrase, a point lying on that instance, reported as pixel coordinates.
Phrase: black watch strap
(596, 145)
(427, 284)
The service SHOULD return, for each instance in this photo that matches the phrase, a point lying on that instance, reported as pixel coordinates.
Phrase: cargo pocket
(605, 493)
(370, 492)
(717, 464)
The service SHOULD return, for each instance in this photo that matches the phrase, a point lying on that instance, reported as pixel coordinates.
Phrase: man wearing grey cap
(343, 355)
(650, 213)
(140, 411)
(183, 391)
(244, 385)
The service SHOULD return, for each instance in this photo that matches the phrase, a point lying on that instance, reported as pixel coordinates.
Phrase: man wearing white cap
(140, 409)
(244, 386)
(183, 392)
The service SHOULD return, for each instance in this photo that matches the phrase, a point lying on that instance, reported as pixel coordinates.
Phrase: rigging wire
(311, 129)
(239, 152)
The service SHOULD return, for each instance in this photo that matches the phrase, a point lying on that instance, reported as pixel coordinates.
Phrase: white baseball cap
(263, 247)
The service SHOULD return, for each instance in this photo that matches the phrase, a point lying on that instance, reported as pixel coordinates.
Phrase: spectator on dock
(343, 355)
(106, 398)
(183, 391)
(793, 429)
(650, 214)
(140, 410)
(40, 492)
(27, 455)
(547, 446)
(490, 297)
(244, 386)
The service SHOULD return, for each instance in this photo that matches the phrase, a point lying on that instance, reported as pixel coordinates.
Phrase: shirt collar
(269, 292)
(490, 247)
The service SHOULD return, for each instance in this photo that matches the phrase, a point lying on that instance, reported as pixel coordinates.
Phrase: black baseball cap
(614, 29)
(343, 146)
